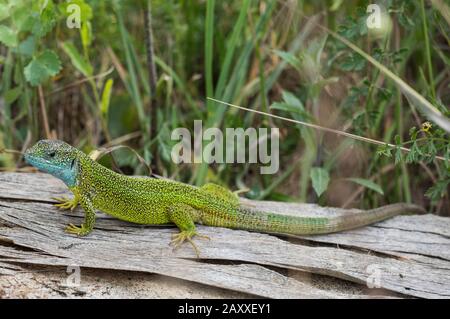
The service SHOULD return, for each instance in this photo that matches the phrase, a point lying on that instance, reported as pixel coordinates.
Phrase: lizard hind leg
(222, 193)
(184, 216)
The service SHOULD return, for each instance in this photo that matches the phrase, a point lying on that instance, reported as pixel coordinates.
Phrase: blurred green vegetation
(90, 86)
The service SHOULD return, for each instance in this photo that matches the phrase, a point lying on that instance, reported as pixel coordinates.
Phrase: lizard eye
(52, 154)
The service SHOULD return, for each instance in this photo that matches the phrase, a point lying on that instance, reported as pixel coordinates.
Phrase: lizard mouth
(60, 171)
(39, 162)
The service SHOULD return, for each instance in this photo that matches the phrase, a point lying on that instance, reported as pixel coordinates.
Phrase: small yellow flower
(426, 126)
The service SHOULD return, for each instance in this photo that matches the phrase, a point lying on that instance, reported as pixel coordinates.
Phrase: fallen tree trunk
(407, 256)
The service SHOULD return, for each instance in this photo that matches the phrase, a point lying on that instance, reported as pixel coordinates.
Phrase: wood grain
(407, 255)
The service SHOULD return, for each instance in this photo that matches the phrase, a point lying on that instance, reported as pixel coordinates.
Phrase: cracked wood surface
(407, 256)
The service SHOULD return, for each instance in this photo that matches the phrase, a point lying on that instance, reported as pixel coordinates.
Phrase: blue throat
(66, 174)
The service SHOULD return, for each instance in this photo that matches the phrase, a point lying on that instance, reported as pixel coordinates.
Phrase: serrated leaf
(349, 29)
(46, 21)
(35, 73)
(42, 67)
(362, 25)
(414, 154)
(353, 63)
(320, 179)
(414, 98)
(368, 184)
(384, 150)
(24, 18)
(50, 61)
(438, 191)
(7, 36)
(106, 97)
(78, 61)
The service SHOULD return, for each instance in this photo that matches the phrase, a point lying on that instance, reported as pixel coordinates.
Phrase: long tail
(275, 223)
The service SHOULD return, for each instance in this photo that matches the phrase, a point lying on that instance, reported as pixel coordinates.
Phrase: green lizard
(160, 201)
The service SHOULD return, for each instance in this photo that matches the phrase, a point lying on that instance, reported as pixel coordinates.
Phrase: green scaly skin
(151, 201)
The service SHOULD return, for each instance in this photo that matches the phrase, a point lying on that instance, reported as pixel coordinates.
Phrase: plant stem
(152, 76)
(48, 134)
(427, 49)
(209, 50)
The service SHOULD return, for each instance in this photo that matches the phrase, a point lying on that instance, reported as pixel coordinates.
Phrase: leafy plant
(89, 85)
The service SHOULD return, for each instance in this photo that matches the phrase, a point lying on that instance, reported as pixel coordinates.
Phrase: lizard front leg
(67, 203)
(184, 216)
(89, 218)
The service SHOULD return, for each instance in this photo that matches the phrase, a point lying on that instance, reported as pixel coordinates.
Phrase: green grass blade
(132, 72)
(427, 49)
(181, 85)
(428, 109)
(367, 183)
(237, 31)
(209, 49)
(238, 75)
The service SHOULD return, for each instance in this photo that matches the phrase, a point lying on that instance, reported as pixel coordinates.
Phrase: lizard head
(54, 157)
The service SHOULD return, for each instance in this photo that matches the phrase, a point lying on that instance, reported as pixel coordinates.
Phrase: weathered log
(407, 255)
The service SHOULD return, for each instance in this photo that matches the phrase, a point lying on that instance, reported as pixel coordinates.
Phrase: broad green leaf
(291, 99)
(67, 8)
(24, 18)
(336, 4)
(4, 11)
(164, 146)
(284, 107)
(27, 46)
(78, 61)
(106, 96)
(86, 34)
(368, 184)
(46, 21)
(320, 179)
(12, 94)
(35, 73)
(50, 61)
(289, 58)
(42, 67)
(7, 36)
(290, 104)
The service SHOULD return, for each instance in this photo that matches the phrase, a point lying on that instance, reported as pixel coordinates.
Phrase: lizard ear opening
(72, 164)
